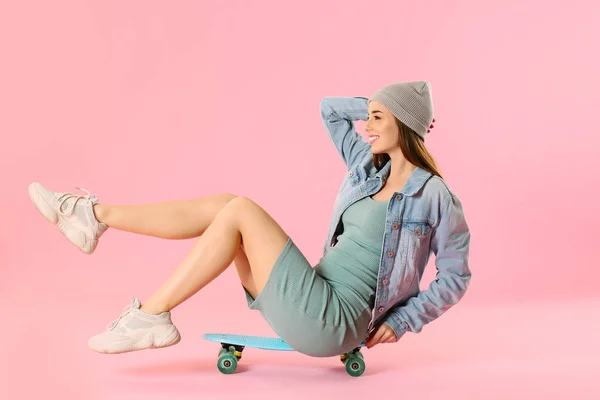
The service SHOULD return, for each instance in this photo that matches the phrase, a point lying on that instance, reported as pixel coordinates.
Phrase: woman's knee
(221, 201)
(233, 210)
(241, 203)
(227, 197)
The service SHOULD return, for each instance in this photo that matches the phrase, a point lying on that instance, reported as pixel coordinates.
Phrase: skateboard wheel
(227, 363)
(355, 366)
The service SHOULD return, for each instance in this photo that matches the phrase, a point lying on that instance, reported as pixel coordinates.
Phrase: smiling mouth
(373, 138)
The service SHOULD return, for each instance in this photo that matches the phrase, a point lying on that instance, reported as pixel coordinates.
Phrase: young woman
(392, 211)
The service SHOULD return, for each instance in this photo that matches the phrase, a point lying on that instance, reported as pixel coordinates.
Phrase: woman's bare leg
(240, 221)
(179, 219)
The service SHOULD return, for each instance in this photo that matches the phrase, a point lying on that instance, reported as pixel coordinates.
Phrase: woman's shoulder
(439, 188)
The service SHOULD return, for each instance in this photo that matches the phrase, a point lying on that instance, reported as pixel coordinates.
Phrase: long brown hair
(413, 148)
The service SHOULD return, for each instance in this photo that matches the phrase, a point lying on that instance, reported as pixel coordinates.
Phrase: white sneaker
(136, 330)
(77, 221)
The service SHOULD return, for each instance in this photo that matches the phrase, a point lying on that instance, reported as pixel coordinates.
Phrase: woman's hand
(383, 334)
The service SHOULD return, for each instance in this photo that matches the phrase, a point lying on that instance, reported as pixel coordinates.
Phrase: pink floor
(526, 350)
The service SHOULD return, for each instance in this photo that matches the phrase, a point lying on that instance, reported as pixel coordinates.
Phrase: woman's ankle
(99, 212)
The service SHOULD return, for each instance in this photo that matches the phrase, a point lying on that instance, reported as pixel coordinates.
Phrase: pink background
(147, 101)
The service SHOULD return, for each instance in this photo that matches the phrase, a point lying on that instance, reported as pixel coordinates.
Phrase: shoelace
(66, 196)
(127, 310)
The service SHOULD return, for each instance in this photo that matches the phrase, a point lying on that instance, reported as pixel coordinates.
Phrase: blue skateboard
(233, 345)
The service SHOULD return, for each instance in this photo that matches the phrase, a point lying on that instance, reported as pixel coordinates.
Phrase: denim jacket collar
(414, 183)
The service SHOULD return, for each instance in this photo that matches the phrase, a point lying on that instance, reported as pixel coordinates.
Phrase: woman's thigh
(263, 239)
(242, 265)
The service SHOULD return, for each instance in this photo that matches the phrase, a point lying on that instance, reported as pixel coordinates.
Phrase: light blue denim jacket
(423, 217)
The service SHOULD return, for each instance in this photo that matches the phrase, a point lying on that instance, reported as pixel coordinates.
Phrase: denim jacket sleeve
(338, 114)
(450, 244)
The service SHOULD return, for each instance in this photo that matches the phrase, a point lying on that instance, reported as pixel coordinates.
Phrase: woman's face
(381, 128)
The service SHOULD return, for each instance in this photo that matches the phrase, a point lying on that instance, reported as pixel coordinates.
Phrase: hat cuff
(400, 113)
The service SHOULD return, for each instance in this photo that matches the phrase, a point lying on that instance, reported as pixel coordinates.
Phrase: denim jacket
(423, 217)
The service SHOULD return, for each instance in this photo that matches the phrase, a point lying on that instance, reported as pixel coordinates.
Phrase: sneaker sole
(172, 338)
(52, 216)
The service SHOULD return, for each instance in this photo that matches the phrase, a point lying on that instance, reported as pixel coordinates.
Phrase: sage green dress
(325, 311)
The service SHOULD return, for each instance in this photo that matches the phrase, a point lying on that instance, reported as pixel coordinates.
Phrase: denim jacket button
(381, 309)
(394, 226)
(385, 281)
(399, 197)
(351, 173)
(390, 253)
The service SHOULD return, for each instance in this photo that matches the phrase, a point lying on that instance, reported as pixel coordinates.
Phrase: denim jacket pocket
(416, 233)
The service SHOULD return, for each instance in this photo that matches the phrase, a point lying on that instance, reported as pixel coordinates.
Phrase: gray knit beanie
(410, 102)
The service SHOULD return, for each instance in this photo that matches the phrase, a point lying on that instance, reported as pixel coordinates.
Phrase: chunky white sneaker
(73, 214)
(136, 330)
